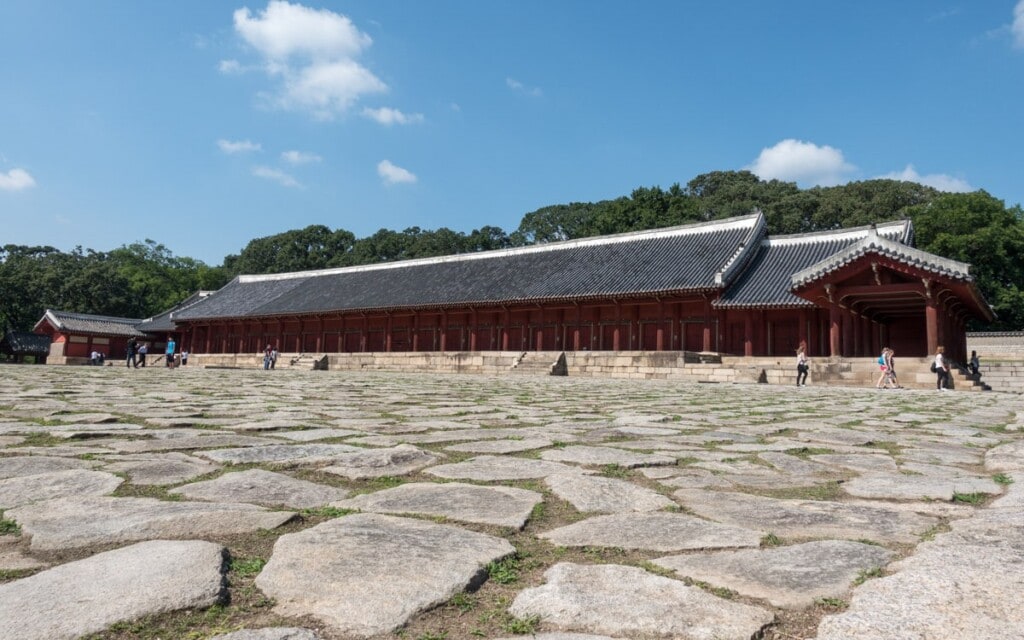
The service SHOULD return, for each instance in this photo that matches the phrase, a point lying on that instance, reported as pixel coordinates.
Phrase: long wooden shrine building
(722, 286)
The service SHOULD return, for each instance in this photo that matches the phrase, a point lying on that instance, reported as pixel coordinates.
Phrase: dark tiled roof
(769, 276)
(690, 258)
(24, 342)
(880, 245)
(164, 322)
(68, 322)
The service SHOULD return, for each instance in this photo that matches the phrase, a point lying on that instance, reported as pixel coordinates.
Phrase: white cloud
(388, 116)
(328, 88)
(16, 180)
(311, 52)
(276, 175)
(284, 29)
(515, 85)
(230, 66)
(299, 157)
(392, 174)
(1018, 25)
(804, 162)
(238, 146)
(939, 181)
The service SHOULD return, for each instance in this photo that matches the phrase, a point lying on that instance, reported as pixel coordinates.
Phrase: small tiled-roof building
(76, 335)
(721, 286)
(18, 345)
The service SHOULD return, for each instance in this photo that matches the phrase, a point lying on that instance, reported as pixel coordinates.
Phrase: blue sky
(203, 124)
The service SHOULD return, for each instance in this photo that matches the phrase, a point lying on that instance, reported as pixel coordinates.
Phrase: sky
(204, 124)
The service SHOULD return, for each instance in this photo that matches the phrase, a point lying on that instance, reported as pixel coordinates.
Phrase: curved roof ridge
(753, 220)
(876, 243)
(744, 251)
(903, 227)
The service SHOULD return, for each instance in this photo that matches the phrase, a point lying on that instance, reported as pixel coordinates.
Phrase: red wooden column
(538, 335)
(388, 335)
(748, 332)
(707, 326)
(505, 329)
(416, 331)
(659, 335)
(858, 335)
(444, 330)
(835, 321)
(206, 339)
(474, 330)
(931, 325)
(319, 334)
(576, 329)
(363, 327)
(802, 332)
(560, 330)
(618, 327)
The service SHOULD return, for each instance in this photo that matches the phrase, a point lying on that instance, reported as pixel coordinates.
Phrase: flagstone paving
(461, 507)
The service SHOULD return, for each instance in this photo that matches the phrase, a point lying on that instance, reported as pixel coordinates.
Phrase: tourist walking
(890, 362)
(171, 346)
(803, 364)
(132, 348)
(184, 357)
(266, 357)
(273, 357)
(143, 351)
(941, 368)
(975, 365)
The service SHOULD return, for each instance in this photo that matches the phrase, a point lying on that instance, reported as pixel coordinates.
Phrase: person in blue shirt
(170, 351)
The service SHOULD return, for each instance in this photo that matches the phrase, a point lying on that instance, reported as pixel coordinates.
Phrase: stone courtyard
(243, 504)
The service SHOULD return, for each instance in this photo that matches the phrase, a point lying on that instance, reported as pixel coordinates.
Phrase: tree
(978, 229)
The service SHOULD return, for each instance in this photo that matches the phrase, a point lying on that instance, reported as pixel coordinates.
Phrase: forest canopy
(143, 279)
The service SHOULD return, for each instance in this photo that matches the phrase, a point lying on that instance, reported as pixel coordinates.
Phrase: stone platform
(298, 504)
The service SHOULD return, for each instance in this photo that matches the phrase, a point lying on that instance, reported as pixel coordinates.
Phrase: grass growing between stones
(8, 527)
(828, 491)
(970, 498)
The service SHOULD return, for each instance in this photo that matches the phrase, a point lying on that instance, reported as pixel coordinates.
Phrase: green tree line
(143, 279)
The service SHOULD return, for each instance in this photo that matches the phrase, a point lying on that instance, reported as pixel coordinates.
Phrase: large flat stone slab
(311, 435)
(790, 577)
(914, 487)
(378, 463)
(653, 532)
(269, 633)
(186, 443)
(87, 596)
(586, 455)
(267, 488)
(280, 453)
(70, 523)
(491, 468)
(628, 602)
(501, 446)
(964, 584)
(501, 506)
(160, 468)
(1005, 457)
(368, 574)
(861, 463)
(807, 518)
(15, 466)
(21, 490)
(605, 495)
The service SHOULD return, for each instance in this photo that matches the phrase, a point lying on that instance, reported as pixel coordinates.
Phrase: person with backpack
(803, 365)
(941, 368)
(883, 366)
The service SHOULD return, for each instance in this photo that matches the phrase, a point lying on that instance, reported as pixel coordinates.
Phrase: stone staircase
(1003, 376)
(538, 364)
